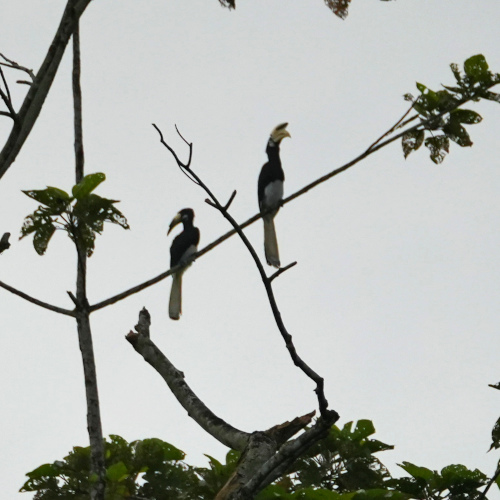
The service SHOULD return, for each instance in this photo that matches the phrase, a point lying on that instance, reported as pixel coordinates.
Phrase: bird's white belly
(273, 194)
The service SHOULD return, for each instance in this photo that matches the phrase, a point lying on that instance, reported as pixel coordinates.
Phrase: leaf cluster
(455, 482)
(150, 468)
(81, 215)
(340, 467)
(441, 118)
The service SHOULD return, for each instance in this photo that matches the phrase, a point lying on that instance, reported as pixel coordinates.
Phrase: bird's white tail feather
(271, 242)
(175, 303)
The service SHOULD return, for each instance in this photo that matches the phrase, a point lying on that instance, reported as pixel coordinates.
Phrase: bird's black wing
(182, 243)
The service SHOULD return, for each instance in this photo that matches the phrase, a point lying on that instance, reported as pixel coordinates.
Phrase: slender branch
(77, 97)
(377, 145)
(40, 303)
(37, 93)
(14, 65)
(395, 126)
(203, 416)
(94, 425)
(6, 97)
(490, 483)
(298, 361)
(281, 270)
(135, 289)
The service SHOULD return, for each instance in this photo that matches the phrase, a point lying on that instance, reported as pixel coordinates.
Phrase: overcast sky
(395, 298)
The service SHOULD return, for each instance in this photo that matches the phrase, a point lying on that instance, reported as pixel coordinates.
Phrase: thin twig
(394, 127)
(12, 64)
(40, 303)
(6, 85)
(231, 198)
(297, 360)
(490, 483)
(281, 270)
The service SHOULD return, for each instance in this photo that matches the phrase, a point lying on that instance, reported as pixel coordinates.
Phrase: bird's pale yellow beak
(280, 132)
(176, 220)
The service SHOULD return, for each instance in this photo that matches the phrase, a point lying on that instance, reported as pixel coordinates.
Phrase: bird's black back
(182, 242)
(271, 171)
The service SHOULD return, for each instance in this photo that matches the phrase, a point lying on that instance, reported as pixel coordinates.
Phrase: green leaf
(466, 116)
(45, 470)
(315, 494)
(94, 210)
(56, 199)
(421, 87)
(42, 237)
(457, 133)
(117, 472)
(418, 472)
(363, 429)
(439, 147)
(87, 185)
(273, 492)
(40, 223)
(495, 435)
(380, 494)
(459, 479)
(476, 68)
(411, 141)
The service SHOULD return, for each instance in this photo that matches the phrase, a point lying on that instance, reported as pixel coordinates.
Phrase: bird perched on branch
(270, 191)
(184, 245)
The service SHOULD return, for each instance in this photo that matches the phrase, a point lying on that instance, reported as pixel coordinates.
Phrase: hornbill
(270, 190)
(184, 245)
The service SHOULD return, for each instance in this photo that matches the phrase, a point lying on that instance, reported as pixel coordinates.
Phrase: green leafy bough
(82, 215)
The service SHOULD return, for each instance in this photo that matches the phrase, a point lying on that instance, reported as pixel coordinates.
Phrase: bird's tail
(271, 242)
(175, 303)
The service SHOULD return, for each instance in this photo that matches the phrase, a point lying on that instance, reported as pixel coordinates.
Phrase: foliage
(81, 215)
(340, 467)
(150, 468)
(439, 111)
(338, 7)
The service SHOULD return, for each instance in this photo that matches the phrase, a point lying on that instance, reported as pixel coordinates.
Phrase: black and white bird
(270, 191)
(184, 245)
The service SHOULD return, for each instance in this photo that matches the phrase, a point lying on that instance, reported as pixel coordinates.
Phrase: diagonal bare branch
(40, 303)
(37, 93)
(298, 361)
(203, 416)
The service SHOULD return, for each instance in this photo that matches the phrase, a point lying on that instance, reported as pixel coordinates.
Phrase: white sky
(395, 300)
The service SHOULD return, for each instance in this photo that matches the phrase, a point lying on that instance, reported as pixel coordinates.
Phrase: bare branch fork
(214, 202)
(266, 455)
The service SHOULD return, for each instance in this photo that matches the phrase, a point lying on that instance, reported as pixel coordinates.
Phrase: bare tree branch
(14, 65)
(298, 361)
(37, 93)
(215, 426)
(94, 426)
(40, 303)
(266, 455)
(281, 270)
(375, 146)
(278, 465)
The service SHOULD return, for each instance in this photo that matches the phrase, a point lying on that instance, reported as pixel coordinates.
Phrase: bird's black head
(186, 216)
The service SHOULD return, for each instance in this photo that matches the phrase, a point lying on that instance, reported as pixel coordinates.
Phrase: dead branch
(205, 418)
